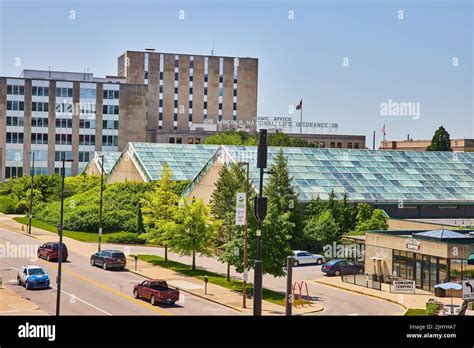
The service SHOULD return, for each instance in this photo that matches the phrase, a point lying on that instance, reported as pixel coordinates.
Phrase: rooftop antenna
(49, 69)
(213, 39)
(84, 76)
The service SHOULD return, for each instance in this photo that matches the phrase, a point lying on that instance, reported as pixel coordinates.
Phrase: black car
(108, 259)
(338, 266)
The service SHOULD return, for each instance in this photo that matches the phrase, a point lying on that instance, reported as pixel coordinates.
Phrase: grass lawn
(214, 278)
(80, 236)
(416, 312)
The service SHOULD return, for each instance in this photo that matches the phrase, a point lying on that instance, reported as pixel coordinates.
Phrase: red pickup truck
(157, 291)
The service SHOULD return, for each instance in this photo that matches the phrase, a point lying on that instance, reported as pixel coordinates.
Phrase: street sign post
(240, 208)
(467, 289)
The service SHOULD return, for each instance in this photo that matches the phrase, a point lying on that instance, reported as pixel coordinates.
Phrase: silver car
(302, 257)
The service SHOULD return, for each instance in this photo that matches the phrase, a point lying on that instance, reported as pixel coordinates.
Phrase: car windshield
(35, 271)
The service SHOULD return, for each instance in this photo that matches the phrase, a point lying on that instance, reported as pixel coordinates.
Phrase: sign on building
(413, 244)
(240, 208)
(403, 286)
(467, 289)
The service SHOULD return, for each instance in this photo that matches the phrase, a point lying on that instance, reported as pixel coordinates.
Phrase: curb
(20, 232)
(191, 293)
(363, 293)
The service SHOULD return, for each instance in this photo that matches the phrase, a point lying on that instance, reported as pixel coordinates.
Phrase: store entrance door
(418, 274)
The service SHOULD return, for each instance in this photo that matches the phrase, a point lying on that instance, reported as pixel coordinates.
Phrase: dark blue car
(338, 266)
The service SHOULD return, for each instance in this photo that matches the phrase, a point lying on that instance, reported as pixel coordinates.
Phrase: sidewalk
(187, 284)
(13, 304)
(405, 300)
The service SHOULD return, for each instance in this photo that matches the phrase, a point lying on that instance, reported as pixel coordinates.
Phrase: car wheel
(296, 263)
(152, 300)
(337, 273)
(172, 302)
(27, 286)
(92, 262)
(48, 258)
(104, 265)
(319, 262)
(135, 293)
(18, 281)
(361, 271)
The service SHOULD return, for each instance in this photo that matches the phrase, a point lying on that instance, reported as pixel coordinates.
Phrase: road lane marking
(65, 292)
(113, 291)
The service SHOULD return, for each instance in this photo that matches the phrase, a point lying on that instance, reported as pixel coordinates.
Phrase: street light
(100, 202)
(60, 232)
(244, 288)
(31, 191)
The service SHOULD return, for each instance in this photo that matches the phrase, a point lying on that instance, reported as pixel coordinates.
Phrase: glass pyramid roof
(110, 158)
(442, 234)
(185, 160)
(372, 175)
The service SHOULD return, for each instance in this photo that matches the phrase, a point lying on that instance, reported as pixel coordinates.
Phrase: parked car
(302, 257)
(338, 266)
(32, 277)
(108, 259)
(157, 291)
(50, 251)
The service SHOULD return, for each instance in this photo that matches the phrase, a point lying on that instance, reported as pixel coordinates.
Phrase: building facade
(191, 96)
(464, 145)
(49, 115)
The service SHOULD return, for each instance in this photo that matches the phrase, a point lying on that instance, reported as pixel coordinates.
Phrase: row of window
(179, 140)
(39, 138)
(87, 124)
(110, 109)
(15, 90)
(15, 105)
(40, 106)
(11, 172)
(63, 123)
(108, 124)
(110, 94)
(39, 122)
(14, 121)
(40, 91)
(109, 140)
(63, 92)
(14, 138)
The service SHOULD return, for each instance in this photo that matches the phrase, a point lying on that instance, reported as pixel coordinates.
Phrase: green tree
(223, 200)
(159, 208)
(321, 230)
(377, 221)
(192, 232)
(440, 141)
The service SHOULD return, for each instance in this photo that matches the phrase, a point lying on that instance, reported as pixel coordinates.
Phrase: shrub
(8, 204)
(126, 238)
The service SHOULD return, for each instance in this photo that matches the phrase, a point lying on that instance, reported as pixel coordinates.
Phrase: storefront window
(442, 270)
(410, 261)
(433, 277)
(426, 272)
(455, 270)
(467, 270)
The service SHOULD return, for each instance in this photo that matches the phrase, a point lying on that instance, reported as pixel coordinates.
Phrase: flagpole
(301, 116)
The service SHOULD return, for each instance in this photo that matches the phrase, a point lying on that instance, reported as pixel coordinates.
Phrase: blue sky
(403, 60)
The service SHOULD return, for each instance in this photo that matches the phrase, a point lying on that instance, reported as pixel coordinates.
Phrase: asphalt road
(335, 301)
(88, 290)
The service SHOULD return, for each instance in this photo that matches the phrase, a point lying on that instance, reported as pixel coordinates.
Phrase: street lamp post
(31, 191)
(244, 287)
(100, 202)
(260, 210)
(60, 232)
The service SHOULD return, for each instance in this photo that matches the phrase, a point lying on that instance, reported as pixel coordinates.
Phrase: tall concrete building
(51, 115)
(156, 97)
(191, 96)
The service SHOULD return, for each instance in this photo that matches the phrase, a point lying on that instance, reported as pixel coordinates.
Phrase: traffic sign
(467, 289)
(240, 208)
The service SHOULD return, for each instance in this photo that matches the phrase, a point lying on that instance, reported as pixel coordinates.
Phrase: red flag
(383, 129)
(300, 105)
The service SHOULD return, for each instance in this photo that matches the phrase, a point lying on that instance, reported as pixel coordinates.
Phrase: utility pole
(373, 142)
(260, 211)
(31, 191)
(100, 202)
(60, 232)
(244, 287)
(289, 281)
(2, 174)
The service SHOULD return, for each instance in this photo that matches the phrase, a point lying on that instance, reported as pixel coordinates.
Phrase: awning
(470, 259)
